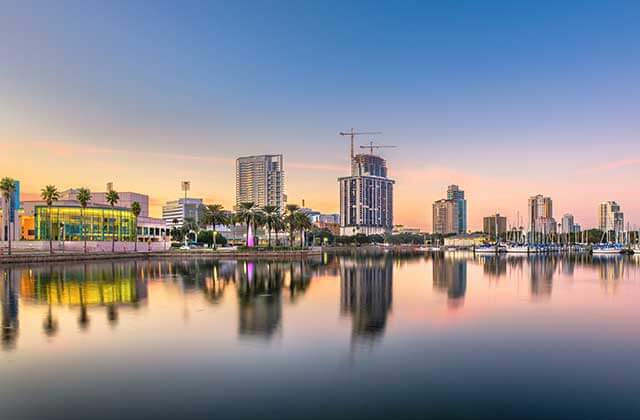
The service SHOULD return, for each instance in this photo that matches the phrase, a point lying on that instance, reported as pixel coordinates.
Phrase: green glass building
(66, 223)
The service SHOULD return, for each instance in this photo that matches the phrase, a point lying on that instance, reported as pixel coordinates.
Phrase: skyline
(507, 101)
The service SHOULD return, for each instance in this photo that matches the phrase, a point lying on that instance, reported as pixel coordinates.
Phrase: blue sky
(510, 97)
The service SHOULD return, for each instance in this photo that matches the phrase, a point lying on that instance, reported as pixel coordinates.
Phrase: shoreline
(105, 256)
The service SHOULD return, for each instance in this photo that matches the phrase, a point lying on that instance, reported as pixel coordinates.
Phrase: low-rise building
(466, 240)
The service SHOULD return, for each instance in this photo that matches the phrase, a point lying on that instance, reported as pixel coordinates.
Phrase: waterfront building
(260, 180)
(610, 218)
(12, 210)
(366, 197)
(149, 229)
(398, 229)
(64, 221)
(567, 224)
(126, 198)
(175, 212)
(539, 207)
(466, 240)
(493, 222)
(445, 217)
(576, 228)
(455, 193)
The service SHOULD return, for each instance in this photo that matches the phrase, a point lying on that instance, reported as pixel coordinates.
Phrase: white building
(260, 180)
(175, 212)
(610, 218)
(568, 224)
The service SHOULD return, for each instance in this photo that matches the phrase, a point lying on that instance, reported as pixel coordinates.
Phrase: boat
(489, 249)
(519, 249)
(606, 249)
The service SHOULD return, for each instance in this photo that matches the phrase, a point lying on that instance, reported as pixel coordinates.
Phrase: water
(341, 336)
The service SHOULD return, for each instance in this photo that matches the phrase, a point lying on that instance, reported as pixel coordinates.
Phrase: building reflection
(366, 294)
(85, 286)
(493, 266)
(543, 268)
(9, 299)
(611, 269)
(450, 277)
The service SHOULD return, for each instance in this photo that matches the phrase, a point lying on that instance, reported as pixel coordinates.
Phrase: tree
(136, 209)
(50, 194)
(84, 196)
(271, 218)
(302, 223)
(8, 189)
(112, 198)
(245, 215)
(290, 220)
(215, 214)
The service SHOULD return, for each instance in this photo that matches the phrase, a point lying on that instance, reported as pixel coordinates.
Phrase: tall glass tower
(455, 193)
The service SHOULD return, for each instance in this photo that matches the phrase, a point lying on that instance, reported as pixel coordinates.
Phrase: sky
(507, 99)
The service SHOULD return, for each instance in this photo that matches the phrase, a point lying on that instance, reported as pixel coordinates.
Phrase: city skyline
(183, 98)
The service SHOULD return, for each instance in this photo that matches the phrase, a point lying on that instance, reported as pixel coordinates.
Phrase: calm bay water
(342, 336)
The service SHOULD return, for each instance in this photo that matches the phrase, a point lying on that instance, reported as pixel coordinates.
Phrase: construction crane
(353, 134)
(372, 146)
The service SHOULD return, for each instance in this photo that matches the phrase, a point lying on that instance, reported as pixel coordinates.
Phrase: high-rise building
(540, 207)
(493, 222)
(445, 217)
(568, 224)
(260, 180)
(610, 218)
(175, 212)
(366, 197)
(455, 193)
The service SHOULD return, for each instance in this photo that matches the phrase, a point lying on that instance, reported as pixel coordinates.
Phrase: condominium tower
(610, 217)
(260, 180)
(540, 210)
(445, 217)
(366, 197)
(493, 223)
(455, 193)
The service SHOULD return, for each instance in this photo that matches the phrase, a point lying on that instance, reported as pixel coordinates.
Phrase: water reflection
(10, 323)
(450, 276)
(97, 293)
(366, 294)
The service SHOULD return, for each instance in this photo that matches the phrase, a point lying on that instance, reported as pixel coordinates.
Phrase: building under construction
(366, 197)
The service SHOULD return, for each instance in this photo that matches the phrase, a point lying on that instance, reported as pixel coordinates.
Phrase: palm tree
(84, 196)
(245, 215)
(50, 194)
(112, 199)
(136, 209)
(8, 188)
(271, 217)
(258, 221)
(302, 223)
(290, 220)
(278, 226)
(215, 215)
